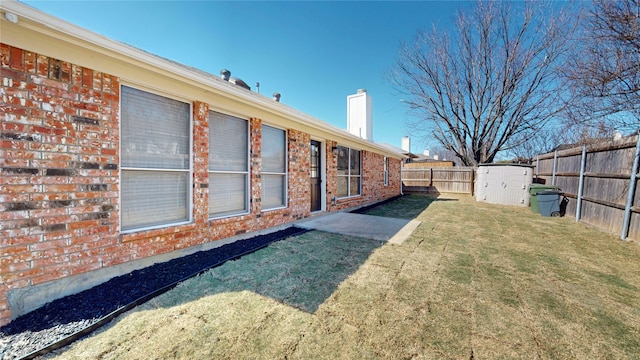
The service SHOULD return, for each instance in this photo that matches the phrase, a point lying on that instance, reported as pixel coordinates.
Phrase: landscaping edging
(63, 321)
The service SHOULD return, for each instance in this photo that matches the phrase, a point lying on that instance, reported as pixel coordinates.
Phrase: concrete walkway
(379, 228)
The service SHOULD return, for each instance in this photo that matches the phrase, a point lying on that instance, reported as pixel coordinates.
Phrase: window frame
(247, 173)
(188, 170)
(386, 171)
(349, 176)
(285, 174)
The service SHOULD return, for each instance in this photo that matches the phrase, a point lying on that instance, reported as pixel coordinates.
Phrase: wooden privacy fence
(600, 181)
(438, 179)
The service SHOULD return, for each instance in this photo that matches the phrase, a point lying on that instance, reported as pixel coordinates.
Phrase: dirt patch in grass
(473, 281)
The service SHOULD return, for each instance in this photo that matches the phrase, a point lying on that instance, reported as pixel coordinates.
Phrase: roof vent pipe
(276, 96)
(225, 74)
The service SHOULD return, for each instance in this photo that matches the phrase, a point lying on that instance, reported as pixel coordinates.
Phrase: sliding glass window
(349, 172)
(228, 165)
(274, 168)
(155, 162)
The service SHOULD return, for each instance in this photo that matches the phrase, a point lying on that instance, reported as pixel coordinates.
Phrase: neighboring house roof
(57, 38)
(425, 158)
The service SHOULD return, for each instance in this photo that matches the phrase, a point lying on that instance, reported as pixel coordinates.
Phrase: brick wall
(299, 153)
(59, 177)
(58, 169)
(332, 176)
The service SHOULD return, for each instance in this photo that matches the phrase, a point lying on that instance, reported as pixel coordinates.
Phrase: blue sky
(314, 53)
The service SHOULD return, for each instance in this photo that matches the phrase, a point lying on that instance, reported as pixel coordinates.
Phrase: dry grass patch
(473, 280)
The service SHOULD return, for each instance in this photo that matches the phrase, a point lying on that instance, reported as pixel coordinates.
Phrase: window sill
(349, 197)
(161, 228)
(227, 216)
(273, 209)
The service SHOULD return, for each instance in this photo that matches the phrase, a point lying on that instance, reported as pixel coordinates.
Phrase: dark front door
(315, 176)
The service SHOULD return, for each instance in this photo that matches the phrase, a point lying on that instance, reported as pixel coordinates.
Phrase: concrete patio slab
(378, 228)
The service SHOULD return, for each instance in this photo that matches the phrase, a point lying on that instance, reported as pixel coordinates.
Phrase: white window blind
(274, 168)
(273, 191)
(153, 198)
(155, 142)
(349, 172)
(228, 165)
(155, 131)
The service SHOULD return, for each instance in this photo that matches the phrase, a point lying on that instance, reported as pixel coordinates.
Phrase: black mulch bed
(61, 318)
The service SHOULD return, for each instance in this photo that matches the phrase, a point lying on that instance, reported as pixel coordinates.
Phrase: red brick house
(112, 158)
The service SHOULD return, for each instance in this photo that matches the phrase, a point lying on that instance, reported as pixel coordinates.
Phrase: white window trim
(386, 171)
(349, 176)
(189, 170)
(247, 184)
(286, 171)
(323, 174)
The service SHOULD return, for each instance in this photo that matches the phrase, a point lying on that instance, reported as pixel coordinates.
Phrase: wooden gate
(437, 179)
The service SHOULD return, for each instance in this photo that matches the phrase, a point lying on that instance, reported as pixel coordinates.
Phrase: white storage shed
(505, 184)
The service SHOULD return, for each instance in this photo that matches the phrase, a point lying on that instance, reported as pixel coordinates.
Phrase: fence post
(632, 188)
(583, 163)
(430, 177)
(537, 166)
(555, 166)
(401, 182)
(472, 181)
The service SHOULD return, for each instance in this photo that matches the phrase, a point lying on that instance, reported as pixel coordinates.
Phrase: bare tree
(481, 88)
(540, 142)
(588, 133)
(560, 137)
(605, 69)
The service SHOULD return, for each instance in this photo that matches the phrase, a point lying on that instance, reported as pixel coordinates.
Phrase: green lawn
(473, 281)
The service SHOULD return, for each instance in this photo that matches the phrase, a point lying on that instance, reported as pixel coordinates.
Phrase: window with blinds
(349, 172)
(228, 165)
(155, 162)
(274, 168)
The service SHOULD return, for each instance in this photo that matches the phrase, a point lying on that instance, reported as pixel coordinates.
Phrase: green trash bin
(536, 188)
(549, 203)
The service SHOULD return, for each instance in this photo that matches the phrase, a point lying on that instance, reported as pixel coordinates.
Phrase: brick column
(332, 174)
(299, 163)
(255, 161)
(200, 163)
